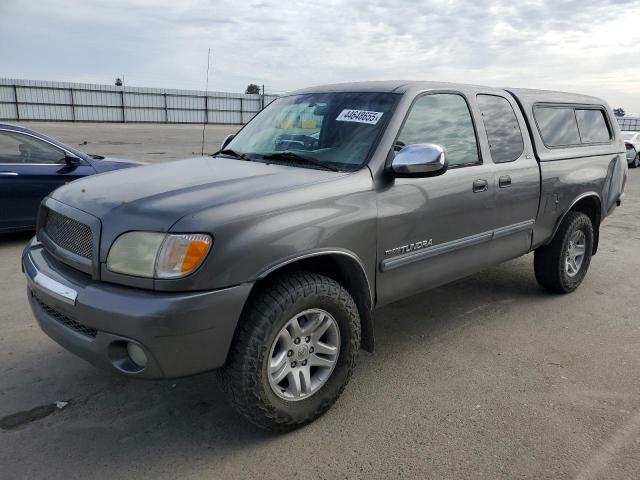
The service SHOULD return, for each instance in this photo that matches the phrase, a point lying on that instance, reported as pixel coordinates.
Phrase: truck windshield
(334, 130)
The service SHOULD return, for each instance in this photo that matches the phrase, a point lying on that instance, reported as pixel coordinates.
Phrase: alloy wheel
(304, 354)
(575, 253)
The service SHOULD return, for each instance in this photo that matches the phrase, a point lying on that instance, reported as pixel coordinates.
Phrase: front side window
(592, 125)
(18, 148)
(442, 119)
(502, 127)
(338, 130)
(558, 126)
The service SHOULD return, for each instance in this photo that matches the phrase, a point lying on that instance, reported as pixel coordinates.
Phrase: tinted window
(19, 148)
(503, 130)
(593, 126)
(442, 119)
(557, 126)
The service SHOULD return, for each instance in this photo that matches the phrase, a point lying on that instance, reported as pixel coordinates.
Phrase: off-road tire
(549, 260)
(245, 377)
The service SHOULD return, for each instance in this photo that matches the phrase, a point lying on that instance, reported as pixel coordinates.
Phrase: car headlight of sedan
(158, 255)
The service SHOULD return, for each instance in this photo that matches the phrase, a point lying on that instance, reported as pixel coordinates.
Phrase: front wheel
(562, 265)
(294, 353)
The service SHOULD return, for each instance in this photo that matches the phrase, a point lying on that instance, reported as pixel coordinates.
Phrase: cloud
(588, 46)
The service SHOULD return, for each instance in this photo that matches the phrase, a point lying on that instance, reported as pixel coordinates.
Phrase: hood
(156, 196)
(107, 164)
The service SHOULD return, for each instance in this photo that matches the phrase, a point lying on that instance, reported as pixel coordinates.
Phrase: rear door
(30, 168)
(516, 176)
(434, 230)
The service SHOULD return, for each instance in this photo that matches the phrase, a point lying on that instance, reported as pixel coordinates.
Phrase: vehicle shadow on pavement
(485, 296)
(109, 416)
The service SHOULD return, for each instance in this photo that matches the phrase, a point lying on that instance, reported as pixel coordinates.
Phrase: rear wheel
(294, 353)
(562, 265)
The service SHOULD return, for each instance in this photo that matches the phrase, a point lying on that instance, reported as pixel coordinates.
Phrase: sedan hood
(107, 164)
(156, 196)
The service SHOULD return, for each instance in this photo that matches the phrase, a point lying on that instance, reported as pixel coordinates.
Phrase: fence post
(241, 112)
(73, 106)
(124, 113)
(15, 94)
(166, 112)
(206, 108)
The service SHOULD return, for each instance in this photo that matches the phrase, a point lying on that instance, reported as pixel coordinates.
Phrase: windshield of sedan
(332, 130)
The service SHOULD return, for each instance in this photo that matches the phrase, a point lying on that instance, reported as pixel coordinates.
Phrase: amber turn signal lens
(181, 254)
(196, 252)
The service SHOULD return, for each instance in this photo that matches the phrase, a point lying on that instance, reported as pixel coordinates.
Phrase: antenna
(206, 102)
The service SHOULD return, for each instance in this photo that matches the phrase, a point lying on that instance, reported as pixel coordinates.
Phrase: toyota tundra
(267, 259)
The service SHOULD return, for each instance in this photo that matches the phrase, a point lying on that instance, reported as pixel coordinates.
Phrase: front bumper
(181, 333)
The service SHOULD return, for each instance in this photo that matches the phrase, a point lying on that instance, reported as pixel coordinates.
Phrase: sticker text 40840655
(359, 116)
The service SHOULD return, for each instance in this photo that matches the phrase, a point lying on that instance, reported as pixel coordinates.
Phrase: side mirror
(72, 161)
(419, 160)
(226, 141)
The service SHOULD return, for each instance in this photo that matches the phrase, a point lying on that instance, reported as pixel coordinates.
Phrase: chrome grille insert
(69, 234)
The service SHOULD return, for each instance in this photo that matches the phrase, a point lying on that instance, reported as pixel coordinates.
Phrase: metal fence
(81, 102)
(629, 123)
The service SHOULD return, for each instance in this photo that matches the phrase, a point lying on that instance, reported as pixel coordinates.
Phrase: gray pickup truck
(266, 259)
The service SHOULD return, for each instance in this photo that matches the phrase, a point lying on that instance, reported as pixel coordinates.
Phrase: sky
(585, 46)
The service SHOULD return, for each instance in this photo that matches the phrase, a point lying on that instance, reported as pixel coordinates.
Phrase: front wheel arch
(343, 267)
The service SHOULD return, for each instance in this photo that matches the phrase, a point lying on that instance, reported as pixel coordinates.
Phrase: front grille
(69, 234)
(66, 321)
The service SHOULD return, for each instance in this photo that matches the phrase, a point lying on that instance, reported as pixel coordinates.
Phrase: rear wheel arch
(343, 267)
(591, 205)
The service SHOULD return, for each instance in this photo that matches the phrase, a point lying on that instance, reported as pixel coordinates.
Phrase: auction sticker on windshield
(359, 116)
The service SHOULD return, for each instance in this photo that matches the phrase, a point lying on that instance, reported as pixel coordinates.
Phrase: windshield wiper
(295, 157)
(231, 153)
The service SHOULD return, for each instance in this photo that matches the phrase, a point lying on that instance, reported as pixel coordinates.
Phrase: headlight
(158, 255)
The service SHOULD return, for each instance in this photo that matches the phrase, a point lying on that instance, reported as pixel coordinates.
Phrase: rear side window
(558, 126)
(503, 130)
(592, 125)
(443, 119)
(569, 126)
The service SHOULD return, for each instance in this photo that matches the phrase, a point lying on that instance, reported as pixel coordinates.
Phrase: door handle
(480, 185)
(8, 174)
(504, 181)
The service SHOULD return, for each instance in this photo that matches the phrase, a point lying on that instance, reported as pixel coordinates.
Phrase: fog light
(137, 355)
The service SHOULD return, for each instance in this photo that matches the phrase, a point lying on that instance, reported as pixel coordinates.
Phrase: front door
(434, 230)
(30, 169)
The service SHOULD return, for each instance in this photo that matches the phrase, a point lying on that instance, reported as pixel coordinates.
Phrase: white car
(632, 142)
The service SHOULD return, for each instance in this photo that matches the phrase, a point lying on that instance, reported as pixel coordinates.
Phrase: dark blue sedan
(32, 165)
